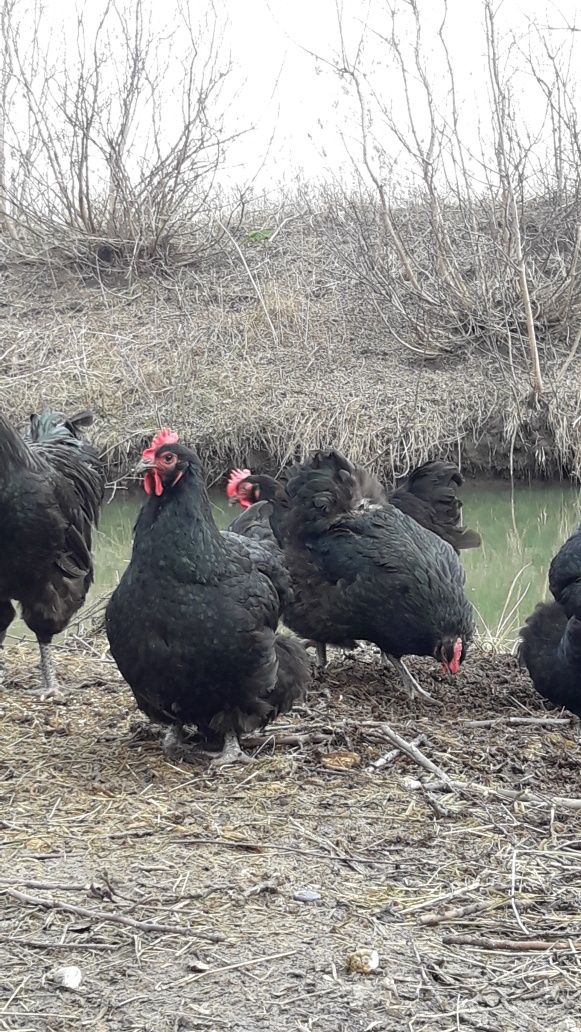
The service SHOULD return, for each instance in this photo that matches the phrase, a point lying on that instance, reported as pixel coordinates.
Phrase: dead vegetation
(197, 352)
(254, 899)
(429, 304)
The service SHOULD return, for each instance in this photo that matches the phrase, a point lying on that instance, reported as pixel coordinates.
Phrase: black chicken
(369, 573)
(550, 645)
(429, 495)
(192, 624)
(374, 575)
(51, 488)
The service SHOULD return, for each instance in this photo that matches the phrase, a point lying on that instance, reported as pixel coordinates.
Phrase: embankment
(253, 379)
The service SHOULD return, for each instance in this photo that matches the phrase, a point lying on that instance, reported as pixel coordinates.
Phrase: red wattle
(152, 483)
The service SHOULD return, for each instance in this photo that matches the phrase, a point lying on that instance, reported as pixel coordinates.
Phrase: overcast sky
(314, 120)
(304, 118)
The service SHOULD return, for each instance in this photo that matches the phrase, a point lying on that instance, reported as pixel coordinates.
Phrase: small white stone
(69, 977)
(306, 895)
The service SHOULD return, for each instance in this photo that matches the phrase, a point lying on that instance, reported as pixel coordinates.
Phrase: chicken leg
(50, 685)
(175, 747)
(321, 649)
(7, 614)
(408, 680)
(231, 752)
(174, 744)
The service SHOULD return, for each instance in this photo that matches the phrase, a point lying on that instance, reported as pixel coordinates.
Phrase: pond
(521, 531)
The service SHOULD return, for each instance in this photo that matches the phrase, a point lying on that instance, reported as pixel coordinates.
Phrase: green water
(521, 532)
(505, 578)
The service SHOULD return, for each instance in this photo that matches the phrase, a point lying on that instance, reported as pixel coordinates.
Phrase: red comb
(164, 436)
(236, 477)
(454, 665)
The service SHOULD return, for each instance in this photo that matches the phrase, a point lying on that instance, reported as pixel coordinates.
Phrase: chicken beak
(142, 466)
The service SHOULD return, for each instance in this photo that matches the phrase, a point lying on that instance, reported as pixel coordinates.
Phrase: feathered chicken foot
(50, 684)
(231, 752)
(321, 649)
(175, 747)
(408, 679)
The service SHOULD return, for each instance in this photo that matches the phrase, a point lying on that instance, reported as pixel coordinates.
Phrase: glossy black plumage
(550, 641)
(430, 496)
(373, 574)
(192, 624)
(51, 488)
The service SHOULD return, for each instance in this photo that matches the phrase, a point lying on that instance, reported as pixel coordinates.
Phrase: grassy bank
(260, 353)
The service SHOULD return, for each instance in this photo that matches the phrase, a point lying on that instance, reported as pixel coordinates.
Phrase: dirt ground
(196, 899)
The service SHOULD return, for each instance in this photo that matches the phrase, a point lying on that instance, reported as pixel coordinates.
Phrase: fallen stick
(231, 967)
(509, 794)
(518, 721)
(515, 945)
(455, 913)
(413, 751)
(101, 915)
(37, 944)
(389, 757)
(445, 898)
(28, 883)
(308, 737)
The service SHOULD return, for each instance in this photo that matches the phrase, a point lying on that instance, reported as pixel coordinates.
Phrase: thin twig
(102, 915)
(514, 945)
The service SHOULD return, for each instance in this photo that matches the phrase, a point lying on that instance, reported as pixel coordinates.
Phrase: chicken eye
(168, 459)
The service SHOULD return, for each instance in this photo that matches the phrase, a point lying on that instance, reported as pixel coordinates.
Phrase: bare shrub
(113, 136)
(477, 246)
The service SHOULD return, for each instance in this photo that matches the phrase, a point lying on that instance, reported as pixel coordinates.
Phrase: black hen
(430, 496)
(192, 624)
(550, 645)
(51, 488)
(248, 489)
(374, 575)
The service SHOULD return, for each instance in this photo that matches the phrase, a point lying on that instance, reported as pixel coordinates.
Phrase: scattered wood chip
(341, 760)
(363, 961)
(198, 965)
(268, 886)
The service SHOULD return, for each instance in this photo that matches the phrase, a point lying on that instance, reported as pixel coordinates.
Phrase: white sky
(311, 112)
(285, 94)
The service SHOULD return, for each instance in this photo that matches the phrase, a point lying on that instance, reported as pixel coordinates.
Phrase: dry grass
(471, 900)
(198, 352)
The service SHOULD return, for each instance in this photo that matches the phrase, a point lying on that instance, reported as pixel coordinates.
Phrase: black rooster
(51, 488)
(550, 646)
(192, 624)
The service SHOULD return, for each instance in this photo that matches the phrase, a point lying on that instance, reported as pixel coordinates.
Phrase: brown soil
(94, 817)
